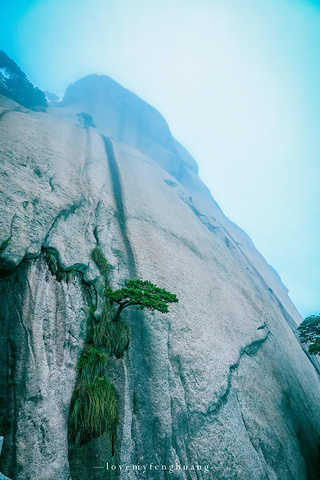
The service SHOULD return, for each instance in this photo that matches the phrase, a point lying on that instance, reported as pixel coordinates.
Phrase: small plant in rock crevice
(101, 262)
(91, 363)
(94, 405)
(51, 258)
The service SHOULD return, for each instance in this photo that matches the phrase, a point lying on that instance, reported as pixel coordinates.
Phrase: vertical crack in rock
(138, 351)
(181, 448)
(139, 374)
(27, 334)
(126, 446)
(117, 192)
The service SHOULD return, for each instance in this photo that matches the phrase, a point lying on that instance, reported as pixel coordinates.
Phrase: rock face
(220, 386)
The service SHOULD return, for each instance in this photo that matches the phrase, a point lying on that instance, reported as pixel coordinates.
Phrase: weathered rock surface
(221, 381)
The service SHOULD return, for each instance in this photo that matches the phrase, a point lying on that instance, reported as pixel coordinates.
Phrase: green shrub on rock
(309, 331)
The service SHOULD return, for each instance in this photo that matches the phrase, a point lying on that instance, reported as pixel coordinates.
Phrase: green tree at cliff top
(309, 331)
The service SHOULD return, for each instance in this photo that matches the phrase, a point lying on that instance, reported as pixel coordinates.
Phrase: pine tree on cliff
(143, 294)
(15, 84)
(309, 331)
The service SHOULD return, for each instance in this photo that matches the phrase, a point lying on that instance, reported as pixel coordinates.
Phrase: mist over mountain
(122, 115)
(220, 386)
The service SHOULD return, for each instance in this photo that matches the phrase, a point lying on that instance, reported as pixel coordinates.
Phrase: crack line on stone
(184, 450)
(65, 214)
(118, 196)
(250, 349)
(11, 225)
(27, 334)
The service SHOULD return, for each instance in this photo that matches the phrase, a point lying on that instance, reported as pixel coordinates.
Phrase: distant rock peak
(122, 115)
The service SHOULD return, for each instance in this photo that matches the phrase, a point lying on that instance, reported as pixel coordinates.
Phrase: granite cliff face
(221, 381)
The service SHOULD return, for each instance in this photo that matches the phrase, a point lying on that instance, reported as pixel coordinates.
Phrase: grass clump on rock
(101, 262)
(51, 257)
(94, 410)
(91, 363)
(117, 338)
(94, 404)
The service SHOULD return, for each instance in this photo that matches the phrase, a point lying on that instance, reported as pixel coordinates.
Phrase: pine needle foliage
(142, 294)
(309, 331)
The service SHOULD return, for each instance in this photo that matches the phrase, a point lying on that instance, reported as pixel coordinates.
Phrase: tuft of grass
(52, 262)
(116, 338)
(101, 262)
(98, 332)
(91, 364)
(97, 327)
(113, 336)
(56, 269)
(94, 410)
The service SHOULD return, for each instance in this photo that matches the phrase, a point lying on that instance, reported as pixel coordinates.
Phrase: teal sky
(238, 83)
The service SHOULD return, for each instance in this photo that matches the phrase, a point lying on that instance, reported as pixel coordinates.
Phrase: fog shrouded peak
(122, 115)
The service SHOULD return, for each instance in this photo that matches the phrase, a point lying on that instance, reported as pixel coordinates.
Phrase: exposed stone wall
(220, 381)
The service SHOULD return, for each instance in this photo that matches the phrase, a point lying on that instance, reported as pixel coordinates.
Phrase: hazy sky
(238, 83)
